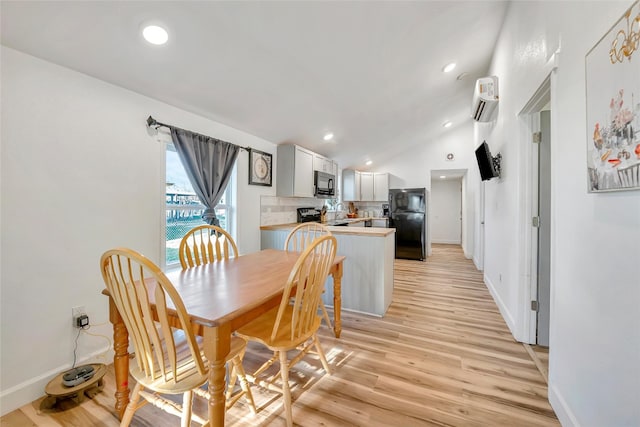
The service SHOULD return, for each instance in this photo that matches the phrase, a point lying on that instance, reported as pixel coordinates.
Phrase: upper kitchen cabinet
(350, 185)
(381, 187)
(295, 171)
(364, 186)
(323, 164)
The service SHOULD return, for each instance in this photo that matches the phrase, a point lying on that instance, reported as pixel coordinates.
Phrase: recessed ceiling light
(368, 163)
(328, 136)
(449, 67)
(443, 177)
(155, 34)
(447, 124)
(462, 75)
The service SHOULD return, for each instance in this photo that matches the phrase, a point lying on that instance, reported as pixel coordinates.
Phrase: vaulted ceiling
(370, 72)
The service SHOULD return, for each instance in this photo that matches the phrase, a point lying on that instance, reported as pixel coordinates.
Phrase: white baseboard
(476, 262)
(467, 254)
(506, 314)
(355, 311)
(560, 407)
(32, 389)
(446, 242)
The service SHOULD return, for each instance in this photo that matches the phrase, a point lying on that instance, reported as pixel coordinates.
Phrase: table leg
(216, 346)
(120, 358)
(337, 299)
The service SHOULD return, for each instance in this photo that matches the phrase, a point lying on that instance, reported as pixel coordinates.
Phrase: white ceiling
(286, 71)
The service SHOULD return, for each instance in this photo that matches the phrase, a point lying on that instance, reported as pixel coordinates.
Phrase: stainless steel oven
(324, 184)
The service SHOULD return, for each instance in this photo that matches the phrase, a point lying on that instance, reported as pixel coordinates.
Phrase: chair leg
(244, 384)
(131, 407)
(233, 374)
(286, 392)
(323, 359)
(187, 405)
(325, 315)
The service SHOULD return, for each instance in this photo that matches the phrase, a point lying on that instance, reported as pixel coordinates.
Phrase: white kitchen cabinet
(366, 186)
(380, 187)
(294, 176)
(322, 164)
(350, 185)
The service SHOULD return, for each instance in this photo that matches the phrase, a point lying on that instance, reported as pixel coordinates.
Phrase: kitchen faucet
(335, 210)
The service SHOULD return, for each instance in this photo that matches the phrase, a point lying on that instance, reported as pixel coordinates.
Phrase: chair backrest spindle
(303, 234)
(205, 244)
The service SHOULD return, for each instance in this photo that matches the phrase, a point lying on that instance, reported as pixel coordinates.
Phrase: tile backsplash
(374, 208)
(282, 210)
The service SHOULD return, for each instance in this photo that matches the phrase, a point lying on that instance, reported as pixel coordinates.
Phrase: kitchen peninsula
(367, 281)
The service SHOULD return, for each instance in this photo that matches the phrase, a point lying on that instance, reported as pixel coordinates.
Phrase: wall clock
(260, 171)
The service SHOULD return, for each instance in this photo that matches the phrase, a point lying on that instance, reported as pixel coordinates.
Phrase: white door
(479, 256)
(544, 229)
(446, 211)
(537, 207)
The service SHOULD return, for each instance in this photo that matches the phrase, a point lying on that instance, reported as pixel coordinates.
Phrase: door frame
(529, 119)
(466, 236)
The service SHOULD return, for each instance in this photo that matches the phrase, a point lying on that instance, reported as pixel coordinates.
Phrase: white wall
(446, 205)
(80, 175)
(412, 169)
(594, 374)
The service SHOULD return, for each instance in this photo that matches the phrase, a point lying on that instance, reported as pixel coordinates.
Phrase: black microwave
(324, 184)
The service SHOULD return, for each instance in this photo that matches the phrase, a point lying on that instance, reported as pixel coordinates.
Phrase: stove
(308, 215)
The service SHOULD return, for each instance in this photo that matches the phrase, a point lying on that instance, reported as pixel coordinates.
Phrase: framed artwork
(612, 69)
(260, 168)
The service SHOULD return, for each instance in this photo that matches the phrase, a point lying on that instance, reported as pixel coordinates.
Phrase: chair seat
(260, 329)
(188, 376)
(237, 345)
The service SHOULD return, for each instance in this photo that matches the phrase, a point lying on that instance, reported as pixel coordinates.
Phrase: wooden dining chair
(298, 239)
(205, 244)
(294, 323)
(168, 360)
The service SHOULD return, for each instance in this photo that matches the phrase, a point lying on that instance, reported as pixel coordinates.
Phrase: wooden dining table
(220, 298)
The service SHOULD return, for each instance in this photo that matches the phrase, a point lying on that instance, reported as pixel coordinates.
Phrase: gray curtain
(208, 163)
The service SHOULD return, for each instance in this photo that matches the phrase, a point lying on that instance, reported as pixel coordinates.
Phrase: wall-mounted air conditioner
(485, 99)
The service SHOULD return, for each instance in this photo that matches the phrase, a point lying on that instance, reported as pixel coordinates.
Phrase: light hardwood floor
(441, 356)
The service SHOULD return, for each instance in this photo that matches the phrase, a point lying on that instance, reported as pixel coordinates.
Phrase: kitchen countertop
(361, 231)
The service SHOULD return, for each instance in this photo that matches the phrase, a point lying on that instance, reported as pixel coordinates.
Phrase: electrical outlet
(82, 321)
(76, 312)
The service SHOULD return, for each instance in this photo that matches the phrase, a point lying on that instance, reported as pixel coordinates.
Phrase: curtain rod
(153, 122)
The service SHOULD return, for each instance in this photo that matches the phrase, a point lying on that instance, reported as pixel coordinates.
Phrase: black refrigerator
(407, 216)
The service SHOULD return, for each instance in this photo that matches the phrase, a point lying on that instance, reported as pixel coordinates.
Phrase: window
(183, 208)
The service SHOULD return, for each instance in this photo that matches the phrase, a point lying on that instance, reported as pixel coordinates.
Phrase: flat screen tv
(485, 162)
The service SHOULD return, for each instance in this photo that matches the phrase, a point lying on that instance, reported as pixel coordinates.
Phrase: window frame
(228, 206)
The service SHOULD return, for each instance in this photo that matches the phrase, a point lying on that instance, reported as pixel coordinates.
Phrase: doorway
(446, 198)
(450, 204)
(537, 226)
